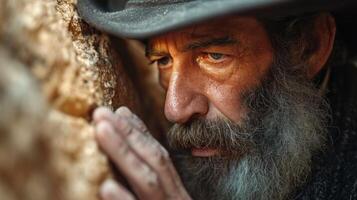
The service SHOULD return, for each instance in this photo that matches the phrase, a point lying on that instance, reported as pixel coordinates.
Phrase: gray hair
(293, 35)
(286, 126)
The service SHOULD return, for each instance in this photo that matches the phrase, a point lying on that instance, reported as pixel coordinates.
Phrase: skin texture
(196, 83)
(205, 69)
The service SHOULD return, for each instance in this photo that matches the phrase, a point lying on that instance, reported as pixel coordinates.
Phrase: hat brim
(144, 22)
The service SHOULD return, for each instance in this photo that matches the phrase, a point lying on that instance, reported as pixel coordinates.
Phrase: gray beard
(269, 154)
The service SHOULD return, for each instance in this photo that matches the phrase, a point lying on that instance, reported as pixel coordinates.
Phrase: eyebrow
(149, 52)
(219, 41)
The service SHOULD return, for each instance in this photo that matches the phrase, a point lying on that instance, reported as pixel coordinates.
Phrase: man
(247, 93)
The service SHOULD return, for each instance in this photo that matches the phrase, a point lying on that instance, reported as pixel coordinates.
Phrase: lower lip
(204, 152)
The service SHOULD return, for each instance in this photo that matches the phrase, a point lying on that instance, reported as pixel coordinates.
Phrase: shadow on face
(207, 68)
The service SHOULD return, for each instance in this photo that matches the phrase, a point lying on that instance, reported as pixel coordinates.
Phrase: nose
(184, 99)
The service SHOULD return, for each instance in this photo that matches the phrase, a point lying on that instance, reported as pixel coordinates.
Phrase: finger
(111, 190)
(146, 147)
(101, 113)
(140, 176)
(122, 114)
(123, 111)
(136, 122)
(151, 151)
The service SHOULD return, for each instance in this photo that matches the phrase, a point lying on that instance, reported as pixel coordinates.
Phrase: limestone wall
(54, 70)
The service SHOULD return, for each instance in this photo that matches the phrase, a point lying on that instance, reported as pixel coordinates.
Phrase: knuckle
(162, 156)
(122, 124)
(152, 179)
(143, 129)
(136, 139)
(163, 151)
(139, 124)
(147, 132)
(127, 128)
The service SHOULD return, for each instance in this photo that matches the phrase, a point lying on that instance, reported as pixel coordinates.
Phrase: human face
(246, 125)
(206, 69)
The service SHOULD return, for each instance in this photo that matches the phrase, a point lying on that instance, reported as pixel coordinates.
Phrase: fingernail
(123, 111)
(108, 188)
(100, 113)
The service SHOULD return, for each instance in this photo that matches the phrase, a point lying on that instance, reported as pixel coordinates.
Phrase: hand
(138, 156)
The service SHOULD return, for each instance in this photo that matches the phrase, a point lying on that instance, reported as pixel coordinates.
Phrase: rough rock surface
(54, 70)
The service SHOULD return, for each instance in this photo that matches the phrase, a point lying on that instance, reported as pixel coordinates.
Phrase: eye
(215, 56)
(163, 62)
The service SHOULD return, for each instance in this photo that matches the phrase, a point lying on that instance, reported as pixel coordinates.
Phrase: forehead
(232, 26)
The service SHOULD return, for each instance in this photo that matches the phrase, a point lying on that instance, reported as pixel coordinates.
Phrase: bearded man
(260, 105)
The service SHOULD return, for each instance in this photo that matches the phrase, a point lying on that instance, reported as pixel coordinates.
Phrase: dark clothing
(334, 173)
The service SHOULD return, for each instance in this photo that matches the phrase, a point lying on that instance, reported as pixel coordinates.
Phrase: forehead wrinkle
(192, 44)
(208, 42)
(198, 35)
(168, 43)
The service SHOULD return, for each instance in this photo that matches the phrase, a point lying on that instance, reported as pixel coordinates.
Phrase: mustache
(219, 134)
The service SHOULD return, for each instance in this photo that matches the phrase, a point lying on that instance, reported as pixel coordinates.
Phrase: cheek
(226, 101)
(164, 77)
(227, 97)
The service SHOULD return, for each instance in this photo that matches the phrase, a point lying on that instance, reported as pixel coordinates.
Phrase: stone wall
(54, 70)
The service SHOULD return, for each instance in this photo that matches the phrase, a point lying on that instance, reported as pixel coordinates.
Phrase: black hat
(144, 18)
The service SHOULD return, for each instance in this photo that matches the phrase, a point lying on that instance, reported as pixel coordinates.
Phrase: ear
(325, 30)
